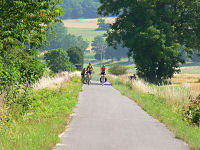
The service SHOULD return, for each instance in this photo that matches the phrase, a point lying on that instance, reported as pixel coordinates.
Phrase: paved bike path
(105, 120)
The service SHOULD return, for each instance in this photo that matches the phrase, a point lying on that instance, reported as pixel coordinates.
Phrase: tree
(98, 56)
(90, 8)
(102, 25)
(99, 45)
(59, 38)
(76, 56)
(26, 22)
(118, 53)
(80, 9)
(154, 31)
(23, 26)
(196, 56)
(58, 60)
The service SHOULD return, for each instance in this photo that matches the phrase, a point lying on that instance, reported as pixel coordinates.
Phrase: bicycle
(88, 78)
(102, 79)
(83, 79)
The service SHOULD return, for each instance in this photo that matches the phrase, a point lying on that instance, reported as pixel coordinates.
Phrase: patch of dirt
(85, 23)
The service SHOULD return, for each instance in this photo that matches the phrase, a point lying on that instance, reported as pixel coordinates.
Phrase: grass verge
(165, 113)
(47, 118)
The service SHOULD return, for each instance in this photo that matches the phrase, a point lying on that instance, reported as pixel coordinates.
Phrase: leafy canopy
(99, 45)
(23, 26)
(58, 60)
(59, 38)
(154, 31)
(26, 22)
(76, 56)
(118, 53)
(80, 9)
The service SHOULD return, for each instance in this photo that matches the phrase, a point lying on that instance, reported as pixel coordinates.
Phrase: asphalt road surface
(105, 120)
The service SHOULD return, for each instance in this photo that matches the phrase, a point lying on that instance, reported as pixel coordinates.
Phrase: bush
(76, 56)
(58, 60)
(98, 56)
(192, 111)
(18, 70)
(117, 69)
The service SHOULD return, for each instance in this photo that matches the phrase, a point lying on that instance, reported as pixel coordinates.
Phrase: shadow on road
(105, 84)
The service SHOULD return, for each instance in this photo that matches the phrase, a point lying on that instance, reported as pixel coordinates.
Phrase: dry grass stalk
(54, 82)
(185, 78)
(173, 94)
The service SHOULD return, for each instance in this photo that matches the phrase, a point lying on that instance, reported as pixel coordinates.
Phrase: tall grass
(55, 81)
(47, 117)
(175, 95)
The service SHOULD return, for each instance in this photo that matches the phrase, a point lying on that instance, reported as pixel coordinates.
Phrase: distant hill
(75, 9)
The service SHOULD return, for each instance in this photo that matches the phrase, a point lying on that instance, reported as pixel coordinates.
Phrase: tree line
(74, 9)
(103, 51)
(58, 37)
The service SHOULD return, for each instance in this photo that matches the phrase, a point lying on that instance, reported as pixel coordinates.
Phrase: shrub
(98, 56)
(76, 56)
(17, 72)
(117, 69)
(192, 111)
(58, 60)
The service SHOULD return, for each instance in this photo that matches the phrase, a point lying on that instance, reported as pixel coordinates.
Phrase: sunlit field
(85, 23)
(87, 34)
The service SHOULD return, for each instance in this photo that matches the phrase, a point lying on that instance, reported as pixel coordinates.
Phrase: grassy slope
(165, 113)
(87, 34)
(47, 119)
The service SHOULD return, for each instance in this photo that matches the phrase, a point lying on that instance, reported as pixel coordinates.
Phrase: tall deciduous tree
(154, 31)
(59, 38)
(23, 26)
(118, 53)
(80, 8)
(99, 45)
(26, 22)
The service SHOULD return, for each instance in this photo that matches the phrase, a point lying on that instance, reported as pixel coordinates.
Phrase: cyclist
(103, 72)
(90, 69)
(83, 74)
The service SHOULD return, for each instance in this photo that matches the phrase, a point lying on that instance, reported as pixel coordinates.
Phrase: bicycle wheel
(102, 80)
(88, 79)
